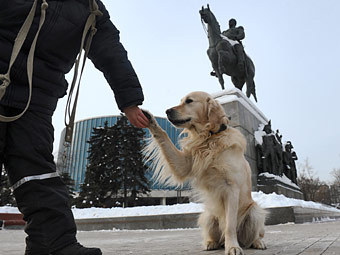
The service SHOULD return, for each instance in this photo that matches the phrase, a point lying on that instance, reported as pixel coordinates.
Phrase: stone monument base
(246, 117)
(269, 183)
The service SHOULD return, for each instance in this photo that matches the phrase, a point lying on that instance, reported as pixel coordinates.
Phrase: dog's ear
(216, 115)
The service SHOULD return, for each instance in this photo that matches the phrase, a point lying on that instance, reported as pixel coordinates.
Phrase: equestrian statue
(227, 54)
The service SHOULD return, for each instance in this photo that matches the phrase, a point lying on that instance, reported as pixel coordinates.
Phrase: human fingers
(139, 122)
(143, 120)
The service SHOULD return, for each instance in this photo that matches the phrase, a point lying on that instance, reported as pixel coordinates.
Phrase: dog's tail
(251, 227)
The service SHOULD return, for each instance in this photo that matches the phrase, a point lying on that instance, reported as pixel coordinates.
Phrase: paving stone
(287, 239)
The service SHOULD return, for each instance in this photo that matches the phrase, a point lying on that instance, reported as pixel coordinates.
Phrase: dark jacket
(57, 47)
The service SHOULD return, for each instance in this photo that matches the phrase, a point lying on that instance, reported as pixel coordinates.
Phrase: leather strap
(19, 41)
(89, 26)
(222, 128)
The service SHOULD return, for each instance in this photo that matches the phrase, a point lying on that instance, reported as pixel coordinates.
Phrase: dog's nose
(169, 111)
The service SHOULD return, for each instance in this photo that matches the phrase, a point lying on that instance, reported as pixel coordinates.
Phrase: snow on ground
(264, 200)
(136, 211)
(8, 209)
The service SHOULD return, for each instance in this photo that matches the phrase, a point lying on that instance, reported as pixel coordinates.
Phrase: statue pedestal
(269, 183)
(246, 117)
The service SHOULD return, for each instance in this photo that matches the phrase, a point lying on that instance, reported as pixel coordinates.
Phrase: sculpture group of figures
(227, 54)
(274, 157)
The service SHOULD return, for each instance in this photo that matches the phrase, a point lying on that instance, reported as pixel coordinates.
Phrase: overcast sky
(295, 46)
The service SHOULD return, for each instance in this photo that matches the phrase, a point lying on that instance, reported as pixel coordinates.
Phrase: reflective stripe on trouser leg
(33, 178)
(43, 202)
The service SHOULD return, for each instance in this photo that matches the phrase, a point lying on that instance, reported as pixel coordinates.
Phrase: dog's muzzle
(171, 114)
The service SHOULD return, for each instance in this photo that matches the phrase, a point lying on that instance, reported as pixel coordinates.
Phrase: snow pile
(275, 200)
(264, 200)
(259, 134)
(236, 95)
(136, 211)
(8, 209)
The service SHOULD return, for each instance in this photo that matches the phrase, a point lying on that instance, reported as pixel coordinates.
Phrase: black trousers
(26, 150)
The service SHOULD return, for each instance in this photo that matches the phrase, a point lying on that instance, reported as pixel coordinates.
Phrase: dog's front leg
(231, 201)
(178, 161)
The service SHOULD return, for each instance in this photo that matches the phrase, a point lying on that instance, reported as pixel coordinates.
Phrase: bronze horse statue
(223, 57)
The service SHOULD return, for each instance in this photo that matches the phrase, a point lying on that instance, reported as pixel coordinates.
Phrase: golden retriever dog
(212, 158)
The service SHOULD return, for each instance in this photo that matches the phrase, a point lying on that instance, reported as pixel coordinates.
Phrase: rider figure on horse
(226, 53)
(236, 34)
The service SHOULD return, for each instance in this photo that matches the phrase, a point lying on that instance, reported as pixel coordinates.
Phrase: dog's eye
(188, 101)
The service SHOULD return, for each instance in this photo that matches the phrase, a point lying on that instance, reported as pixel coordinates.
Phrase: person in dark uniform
(26, 144)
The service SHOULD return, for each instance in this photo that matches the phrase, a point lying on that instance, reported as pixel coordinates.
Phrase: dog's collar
(222, 128)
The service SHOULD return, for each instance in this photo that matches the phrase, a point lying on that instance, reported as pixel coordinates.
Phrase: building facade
(72, 158)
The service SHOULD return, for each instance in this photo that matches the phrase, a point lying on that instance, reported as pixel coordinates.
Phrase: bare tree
(336, 175)
(323, 194)
(308, 182)
(335, 188)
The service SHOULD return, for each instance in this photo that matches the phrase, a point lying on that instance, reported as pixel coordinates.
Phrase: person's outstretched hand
(136, 116)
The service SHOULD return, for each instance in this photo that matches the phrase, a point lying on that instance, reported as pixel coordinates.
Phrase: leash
(90, 26)
(18, 43)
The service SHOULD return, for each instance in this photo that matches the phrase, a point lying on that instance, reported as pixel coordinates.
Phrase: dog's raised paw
(153, 125)
(150, 117)
(147, 114)
(234, 251)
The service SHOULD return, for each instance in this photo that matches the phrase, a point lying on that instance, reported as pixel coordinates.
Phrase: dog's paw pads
(259, 244)
(147, 114)
(150, 117)
(234, 251)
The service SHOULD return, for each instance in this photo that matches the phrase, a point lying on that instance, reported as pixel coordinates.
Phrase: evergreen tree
(130, 166)
(115, 171)
(6, 193)
(99, 185)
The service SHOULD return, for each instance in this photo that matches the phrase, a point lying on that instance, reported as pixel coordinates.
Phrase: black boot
(77, 249)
